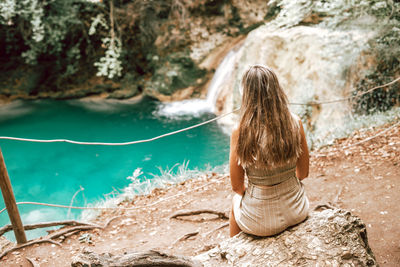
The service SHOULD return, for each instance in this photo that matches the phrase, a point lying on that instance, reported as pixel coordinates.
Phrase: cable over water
(116, 144)
(117, 208)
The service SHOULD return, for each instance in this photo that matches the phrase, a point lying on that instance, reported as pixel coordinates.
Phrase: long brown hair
(268, 133)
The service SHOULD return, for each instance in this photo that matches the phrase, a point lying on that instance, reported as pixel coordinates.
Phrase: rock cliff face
(312, 64)
(320, 51)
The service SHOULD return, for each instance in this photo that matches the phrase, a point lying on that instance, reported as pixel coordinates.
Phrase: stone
(299, 245)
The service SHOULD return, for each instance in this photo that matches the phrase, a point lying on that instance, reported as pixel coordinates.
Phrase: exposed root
(109, 221)
(336, 198)
(147, 258)
(72, 229)
(78, 226)
(71, 233)
(215, 229)
(9, 227)
(185, 213)
(186, 236)
(321, 207)
(32, 262)
(33, 242)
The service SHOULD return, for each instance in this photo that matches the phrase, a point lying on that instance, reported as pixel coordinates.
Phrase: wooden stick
(9, 200)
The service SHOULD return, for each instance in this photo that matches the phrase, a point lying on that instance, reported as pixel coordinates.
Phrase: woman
(270, 148)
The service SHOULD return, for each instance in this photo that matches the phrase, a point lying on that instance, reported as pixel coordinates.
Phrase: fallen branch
(184, 213)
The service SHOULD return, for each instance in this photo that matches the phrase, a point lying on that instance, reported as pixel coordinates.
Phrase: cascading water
(196, 107)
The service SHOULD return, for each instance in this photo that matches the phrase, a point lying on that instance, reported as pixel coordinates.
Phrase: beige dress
(265, 211)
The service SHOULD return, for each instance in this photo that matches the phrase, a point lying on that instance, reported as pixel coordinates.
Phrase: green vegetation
(73, 48)
(62, 45)
(386, 51)
(48, 39)
(36, 31)
(70, 41)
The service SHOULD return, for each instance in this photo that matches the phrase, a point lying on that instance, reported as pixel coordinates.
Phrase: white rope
(346, 98)
(364, 140)
(116, 144)
(372, 137)
(118, 208)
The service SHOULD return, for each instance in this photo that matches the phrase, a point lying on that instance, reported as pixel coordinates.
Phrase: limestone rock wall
(320, 52)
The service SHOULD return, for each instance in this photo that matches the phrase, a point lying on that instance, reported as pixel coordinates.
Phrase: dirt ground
(360, 177)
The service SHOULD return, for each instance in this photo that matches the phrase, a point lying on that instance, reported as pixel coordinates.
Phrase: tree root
(32, 262)
(132, 259)
(215, 229)
(78, 226)
(184, 213)
(33, 242)
(336, 198)
(9, 227)
(321, 207)
(186, 236)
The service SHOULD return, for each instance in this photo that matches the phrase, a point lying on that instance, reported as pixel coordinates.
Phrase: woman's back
(269, 147)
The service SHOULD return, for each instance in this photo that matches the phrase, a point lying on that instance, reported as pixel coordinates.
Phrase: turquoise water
(53, 172)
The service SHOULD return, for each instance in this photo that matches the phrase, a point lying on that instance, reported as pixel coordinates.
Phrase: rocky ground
(359, 174)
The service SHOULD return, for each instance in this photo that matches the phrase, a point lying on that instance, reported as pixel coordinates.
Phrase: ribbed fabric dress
(273, 201)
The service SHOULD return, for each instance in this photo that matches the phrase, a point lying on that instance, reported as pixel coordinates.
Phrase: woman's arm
(236, 171)
(303, 161)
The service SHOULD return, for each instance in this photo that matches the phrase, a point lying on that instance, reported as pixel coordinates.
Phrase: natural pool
(53, 172)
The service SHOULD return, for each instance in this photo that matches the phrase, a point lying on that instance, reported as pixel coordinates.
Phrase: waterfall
(196, 107)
